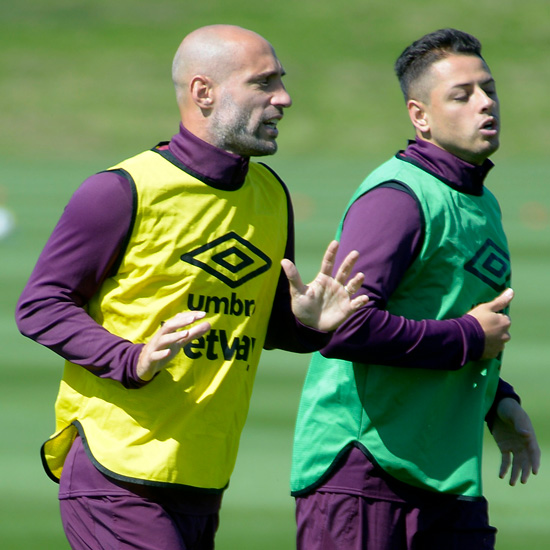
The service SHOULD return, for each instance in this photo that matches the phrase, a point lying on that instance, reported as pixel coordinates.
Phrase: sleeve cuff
(474, 337)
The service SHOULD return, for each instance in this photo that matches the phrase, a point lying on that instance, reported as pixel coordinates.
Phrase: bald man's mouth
(271, 126)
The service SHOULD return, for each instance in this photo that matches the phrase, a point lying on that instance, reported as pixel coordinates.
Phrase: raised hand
(495, 325)
(168, 341)
(327, 301)
(516, 440)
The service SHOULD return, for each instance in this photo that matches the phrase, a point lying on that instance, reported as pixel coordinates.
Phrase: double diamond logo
(491, 264)
(231, 259)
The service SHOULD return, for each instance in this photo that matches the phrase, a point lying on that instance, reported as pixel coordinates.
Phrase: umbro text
(216, 304)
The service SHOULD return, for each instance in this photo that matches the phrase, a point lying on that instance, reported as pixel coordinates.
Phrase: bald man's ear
(418, 116)
(202, 91)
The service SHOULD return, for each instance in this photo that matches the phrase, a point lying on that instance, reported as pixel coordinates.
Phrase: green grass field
(85, 84)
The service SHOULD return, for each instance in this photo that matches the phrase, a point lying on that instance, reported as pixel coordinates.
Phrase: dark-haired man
(388, 443)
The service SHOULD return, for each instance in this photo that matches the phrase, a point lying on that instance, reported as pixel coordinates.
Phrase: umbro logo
(231, 259)
(491, 264)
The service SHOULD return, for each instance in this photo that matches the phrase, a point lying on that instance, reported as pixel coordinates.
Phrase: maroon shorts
(133, 523)
(100, 513)
(332, 521)
(359, 507)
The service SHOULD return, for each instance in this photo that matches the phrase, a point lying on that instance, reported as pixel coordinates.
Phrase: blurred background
(85, 84)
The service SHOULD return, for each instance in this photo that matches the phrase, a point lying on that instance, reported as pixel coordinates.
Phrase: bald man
(161, 283)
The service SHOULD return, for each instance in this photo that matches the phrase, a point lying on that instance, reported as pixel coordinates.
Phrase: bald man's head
(229, 89)
(214, 51)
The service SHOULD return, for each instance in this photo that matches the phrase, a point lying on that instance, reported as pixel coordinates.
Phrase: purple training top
(387, 248)
(80, 255)
(85, 245)
(385, 226)
(88, 238)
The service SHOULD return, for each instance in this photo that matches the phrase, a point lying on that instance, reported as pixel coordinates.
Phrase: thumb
(502, 301)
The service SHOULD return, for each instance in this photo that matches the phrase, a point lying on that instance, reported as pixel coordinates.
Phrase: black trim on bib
(120, 257)
(167, 155)
(422, 493)
(401, 186)
(137, 481)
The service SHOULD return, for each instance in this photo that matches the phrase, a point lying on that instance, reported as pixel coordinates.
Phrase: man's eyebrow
(490, 80)
(485, 82)
(271, 72)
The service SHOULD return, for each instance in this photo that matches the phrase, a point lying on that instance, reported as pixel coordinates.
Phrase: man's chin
(263, 150)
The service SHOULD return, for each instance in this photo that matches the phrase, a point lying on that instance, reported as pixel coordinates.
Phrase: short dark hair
(432, 47)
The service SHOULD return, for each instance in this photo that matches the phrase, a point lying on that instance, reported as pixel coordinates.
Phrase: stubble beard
(231, 132)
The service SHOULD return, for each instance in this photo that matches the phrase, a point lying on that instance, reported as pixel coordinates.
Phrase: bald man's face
(249, 104)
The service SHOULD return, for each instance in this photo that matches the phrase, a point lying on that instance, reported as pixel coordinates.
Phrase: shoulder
(104, 199)
(387, 208)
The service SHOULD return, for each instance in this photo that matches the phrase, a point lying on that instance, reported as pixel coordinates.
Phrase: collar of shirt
(455, 172)
(209, 163)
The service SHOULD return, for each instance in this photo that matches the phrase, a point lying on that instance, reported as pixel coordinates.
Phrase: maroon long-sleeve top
(86, 243)
(385, 226)
(80, 254)
(83, 250)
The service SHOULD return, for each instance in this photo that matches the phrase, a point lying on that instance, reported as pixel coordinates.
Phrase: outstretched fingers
(351, 286)
(168, 341)
(345, 269)
(354, 284)
(329, 259)
(173, 332)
